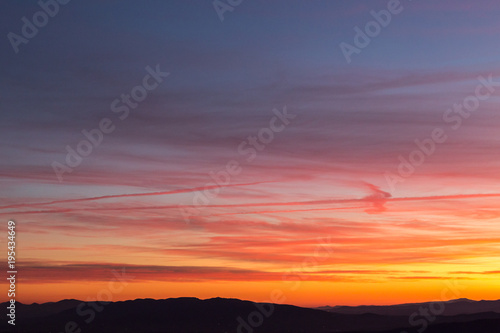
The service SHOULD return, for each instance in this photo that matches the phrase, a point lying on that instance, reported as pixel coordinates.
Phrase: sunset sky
(320, 208)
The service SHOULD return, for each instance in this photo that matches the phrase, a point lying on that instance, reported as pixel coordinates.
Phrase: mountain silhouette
(450, 308)
(182, 315)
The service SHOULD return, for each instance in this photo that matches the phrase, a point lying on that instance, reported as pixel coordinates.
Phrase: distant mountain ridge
(451, 308)
(219, 315)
